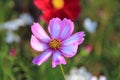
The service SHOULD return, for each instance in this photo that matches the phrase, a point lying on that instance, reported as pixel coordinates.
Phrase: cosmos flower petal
(60, 43)
(69, 50)
(40, 33)
(57, 59)
(37, 45)
(67, 28)
(54, 27)
(42, 58)
(76, 38)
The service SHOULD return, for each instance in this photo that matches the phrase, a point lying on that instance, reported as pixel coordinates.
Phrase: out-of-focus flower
(89, 25)
(13, 25)
(24, 19)
(79, 74)
(82, 74)
(59, 8)
(102, 77)
(60, 43)
(11, 37)
(94, 78)
(10, 26)
(12, 52)
(88, 48)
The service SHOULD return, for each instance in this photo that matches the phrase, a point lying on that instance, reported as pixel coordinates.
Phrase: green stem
(62, 71)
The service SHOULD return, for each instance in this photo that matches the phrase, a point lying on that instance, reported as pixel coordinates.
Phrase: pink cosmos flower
(60, 43)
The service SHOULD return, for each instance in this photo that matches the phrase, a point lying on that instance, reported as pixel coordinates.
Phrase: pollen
(54, 44)
(58, 4)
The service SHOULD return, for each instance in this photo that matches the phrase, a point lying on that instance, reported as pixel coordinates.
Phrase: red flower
(58, 8)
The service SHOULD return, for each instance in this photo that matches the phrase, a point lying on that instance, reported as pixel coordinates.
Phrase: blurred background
(98, 58)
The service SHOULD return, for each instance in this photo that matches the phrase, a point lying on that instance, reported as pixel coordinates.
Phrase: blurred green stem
(62, 71)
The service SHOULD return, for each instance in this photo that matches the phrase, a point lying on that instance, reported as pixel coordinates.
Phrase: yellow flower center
(54, 44)
(58, 4)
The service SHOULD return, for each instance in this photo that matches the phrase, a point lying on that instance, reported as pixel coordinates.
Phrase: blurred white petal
(10, 25)
(26, 18)
(94, 78)
(11, 37)
(102, 78)
(79, 74)
(89, 25)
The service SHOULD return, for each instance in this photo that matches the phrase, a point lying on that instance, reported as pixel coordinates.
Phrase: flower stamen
(54, 44)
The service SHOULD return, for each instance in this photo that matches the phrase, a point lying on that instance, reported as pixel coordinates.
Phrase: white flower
(83, 74)
(13, 25)
(11, 37)
(102, 77)
(78, 74)
(89, 25)
(94, 78)
(26, 18)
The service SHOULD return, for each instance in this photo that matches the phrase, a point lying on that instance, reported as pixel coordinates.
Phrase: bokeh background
(99, 54)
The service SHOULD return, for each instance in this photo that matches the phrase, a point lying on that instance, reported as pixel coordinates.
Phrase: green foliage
(104, 57)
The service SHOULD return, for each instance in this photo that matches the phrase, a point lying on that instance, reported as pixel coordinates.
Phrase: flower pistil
(54, 44)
